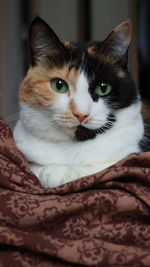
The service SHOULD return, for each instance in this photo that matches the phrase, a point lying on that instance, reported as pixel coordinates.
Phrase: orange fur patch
(72, 75)
(91, 50)
(120, 73)
(67, 117)
(36, 94)
(35, 88)
(69, 45)
(72, 106)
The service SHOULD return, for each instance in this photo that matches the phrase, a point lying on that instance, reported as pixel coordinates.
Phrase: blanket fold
(99, 220)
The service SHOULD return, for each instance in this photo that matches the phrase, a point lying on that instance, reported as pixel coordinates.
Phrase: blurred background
(74, 20)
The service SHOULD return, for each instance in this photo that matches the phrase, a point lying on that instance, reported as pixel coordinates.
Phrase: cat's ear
(119, 39)
(43, 42)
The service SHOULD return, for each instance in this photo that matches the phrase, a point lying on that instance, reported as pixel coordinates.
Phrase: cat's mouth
(82, 133)
(68, 121)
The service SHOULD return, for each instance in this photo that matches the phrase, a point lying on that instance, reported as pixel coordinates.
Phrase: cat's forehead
(89, 57)
(82, 57)
(84, 46)
(79, 51)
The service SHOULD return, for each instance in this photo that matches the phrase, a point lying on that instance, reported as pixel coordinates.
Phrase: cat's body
(80, 111)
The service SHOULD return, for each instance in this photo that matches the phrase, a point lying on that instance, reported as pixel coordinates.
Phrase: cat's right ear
(43, 42)
(118, 40)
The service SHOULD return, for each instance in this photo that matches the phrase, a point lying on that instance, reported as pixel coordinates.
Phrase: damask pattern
(99, 220)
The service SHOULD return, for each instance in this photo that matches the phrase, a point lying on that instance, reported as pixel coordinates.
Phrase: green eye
(59, 85)
(103, 89)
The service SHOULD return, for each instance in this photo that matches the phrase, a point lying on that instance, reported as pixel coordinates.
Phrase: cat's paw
(55, 175)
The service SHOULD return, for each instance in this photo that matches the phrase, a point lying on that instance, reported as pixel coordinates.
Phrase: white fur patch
(81, 95)
(43, 144)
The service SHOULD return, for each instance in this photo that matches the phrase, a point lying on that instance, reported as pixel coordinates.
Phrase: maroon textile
(100, 220)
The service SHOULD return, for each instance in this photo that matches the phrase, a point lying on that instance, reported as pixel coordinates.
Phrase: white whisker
(13, 117)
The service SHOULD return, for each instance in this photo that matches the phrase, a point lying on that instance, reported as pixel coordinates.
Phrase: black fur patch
(123, 91)
(84, 134)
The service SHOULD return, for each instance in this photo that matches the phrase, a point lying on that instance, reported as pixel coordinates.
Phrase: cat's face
(81, 86)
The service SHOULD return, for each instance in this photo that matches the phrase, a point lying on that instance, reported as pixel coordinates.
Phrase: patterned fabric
(100, 220)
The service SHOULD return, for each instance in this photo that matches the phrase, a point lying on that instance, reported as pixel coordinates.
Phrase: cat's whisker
(109, 124)
(100, 125)
(146, 124)
(147, 139)
(103, 130)
(53, 124)
(13, 117)
(55, 117)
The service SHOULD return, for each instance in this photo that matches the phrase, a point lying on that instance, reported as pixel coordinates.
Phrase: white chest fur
(67, 160)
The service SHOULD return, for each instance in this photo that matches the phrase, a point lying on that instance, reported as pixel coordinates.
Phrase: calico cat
(79, 109)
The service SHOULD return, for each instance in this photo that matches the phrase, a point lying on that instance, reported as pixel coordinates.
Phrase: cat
(80, 111)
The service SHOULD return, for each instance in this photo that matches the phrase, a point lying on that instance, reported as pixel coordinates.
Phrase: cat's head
(80, 86)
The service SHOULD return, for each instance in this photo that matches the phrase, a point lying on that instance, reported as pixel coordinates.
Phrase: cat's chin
(74, 127)
(79, 131)
(69, 125)
(89, 127)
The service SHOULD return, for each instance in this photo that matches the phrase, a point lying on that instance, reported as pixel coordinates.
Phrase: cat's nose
(81, 117)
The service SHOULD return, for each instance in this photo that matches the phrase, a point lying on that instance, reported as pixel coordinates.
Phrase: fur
(65, 136)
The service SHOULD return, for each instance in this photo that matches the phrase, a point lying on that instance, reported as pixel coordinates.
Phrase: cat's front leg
(54, 174)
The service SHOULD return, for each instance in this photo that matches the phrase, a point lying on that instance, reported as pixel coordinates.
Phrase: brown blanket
(100, 220)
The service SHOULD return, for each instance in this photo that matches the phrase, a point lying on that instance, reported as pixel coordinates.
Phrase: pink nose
(79, 116)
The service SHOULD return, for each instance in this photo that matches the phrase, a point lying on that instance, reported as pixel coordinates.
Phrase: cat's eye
(58, 85)
(103, 89)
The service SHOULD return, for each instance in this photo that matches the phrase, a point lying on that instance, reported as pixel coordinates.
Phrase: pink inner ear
(125, 29)
(119, 40)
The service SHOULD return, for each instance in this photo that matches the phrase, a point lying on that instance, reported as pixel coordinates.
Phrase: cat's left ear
(43, 42)
(119, 39)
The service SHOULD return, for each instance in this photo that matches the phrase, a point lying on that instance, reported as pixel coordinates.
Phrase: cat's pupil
(103, 87)
(59, 84)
